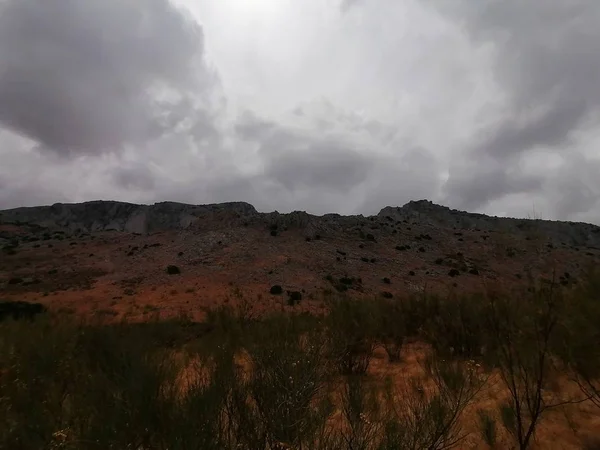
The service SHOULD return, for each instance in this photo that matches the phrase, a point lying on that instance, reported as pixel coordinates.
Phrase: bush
(69, 386)
(391, 327)
(173, 270)
(20, 310)
(456, 326)
(276, 290)
(351, 327)
(294, 298)
(430, 419)
(288, 382)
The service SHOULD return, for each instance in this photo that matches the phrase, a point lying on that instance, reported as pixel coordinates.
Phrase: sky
(322, 106)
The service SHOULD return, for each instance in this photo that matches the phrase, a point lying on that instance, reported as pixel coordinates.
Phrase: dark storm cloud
(80, 76)
(547, 64)
(414, 174)
(549, 61)
(133, 176)
(298, 160)
(481, 181)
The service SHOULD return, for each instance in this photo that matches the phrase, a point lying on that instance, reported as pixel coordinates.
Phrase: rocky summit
(129, 260)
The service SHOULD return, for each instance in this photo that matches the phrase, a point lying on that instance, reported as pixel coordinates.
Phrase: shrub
(522, 331)
(386, 294)
(276, 290)
(20, 310)
(294, 298)
(455, 326)
(453, 273)
(347, 280)
(487, 428)
(288, 381)
(391, 327)
(386, 280)
(173, 270)
(351, 325)
(430, 419)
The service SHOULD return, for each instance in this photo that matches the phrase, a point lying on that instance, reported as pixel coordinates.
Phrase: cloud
(338, 106)
(546, 64)
(94, 76)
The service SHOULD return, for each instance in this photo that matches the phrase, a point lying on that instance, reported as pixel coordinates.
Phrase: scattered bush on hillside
(294, 298)
(276, 290)
(173, 270)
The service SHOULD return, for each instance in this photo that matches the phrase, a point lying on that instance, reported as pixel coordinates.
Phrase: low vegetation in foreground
(295, 381)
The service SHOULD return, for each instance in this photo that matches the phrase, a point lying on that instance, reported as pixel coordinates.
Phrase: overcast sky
(319, 105)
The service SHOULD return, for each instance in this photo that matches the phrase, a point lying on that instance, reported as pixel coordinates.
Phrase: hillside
(112, 257)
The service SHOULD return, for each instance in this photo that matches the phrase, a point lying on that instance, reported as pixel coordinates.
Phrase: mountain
(113, 256)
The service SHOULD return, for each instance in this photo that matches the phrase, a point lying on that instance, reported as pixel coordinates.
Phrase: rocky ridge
(97, 216)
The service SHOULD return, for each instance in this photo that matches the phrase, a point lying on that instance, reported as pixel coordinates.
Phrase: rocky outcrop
(427, 213)
(127, 217)
(119, 216)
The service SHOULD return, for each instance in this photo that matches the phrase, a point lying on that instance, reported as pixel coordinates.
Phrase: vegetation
(173, 270)
(276, 290)
(299, 381)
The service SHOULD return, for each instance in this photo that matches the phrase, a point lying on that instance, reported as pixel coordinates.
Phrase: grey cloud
(549, 60)
(413, 174)
(576, 188)
(13, 195)
(133, 176)
(547, 64)
(81, 76)
(321, 165)
(345, 5)
(476, 184)
(297, 160)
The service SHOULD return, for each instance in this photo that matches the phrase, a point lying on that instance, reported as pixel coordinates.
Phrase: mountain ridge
(109, 215)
